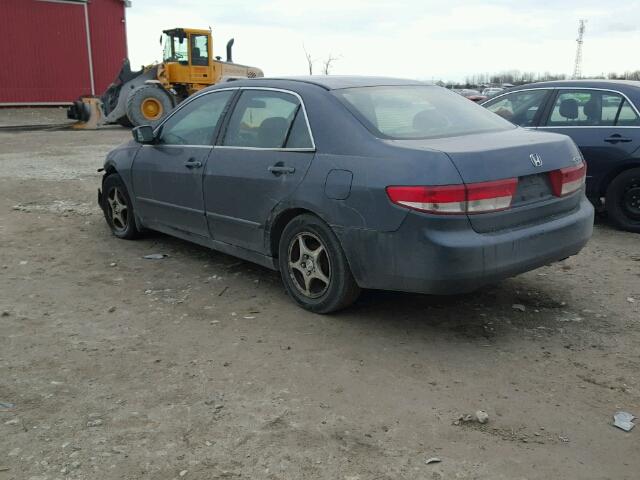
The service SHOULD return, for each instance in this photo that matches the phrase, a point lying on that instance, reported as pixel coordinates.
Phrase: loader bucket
(88, 111)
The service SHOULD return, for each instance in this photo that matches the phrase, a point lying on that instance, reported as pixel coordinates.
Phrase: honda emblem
(536, 161)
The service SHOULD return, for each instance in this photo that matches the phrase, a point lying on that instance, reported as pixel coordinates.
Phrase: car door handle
(192, 163)
(615, 138)
(281, 169)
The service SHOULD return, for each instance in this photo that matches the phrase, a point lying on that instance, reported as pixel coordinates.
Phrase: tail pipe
(229, 47)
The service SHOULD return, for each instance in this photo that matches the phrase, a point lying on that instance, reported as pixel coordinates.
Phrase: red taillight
(567, 180)
(490, 196)
(456, 199)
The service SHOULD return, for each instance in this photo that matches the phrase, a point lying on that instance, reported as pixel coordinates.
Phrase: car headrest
(272, 131)
(591, 109)
(569, 108)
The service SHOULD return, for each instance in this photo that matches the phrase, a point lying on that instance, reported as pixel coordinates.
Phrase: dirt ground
(197, 366)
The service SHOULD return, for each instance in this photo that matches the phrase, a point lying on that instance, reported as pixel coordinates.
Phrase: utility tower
(577, 68)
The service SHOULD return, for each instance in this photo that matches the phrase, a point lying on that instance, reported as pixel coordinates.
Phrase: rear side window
(627, 116)
(591, 108)
(267, 119)
(417, 112)
(610, 107)
(299, 135)
(519, 107)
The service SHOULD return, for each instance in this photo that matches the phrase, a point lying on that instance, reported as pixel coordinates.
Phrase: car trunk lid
(526, 155)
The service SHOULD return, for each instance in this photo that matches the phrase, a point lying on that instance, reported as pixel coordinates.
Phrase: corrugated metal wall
(108, 39)
(44, 49)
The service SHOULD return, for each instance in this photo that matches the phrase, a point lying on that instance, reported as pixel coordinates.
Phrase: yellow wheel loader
(145, 97)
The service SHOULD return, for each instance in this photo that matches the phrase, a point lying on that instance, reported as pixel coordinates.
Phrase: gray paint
(343, 182)
(240, 192)
(167, 191)
(337, 186)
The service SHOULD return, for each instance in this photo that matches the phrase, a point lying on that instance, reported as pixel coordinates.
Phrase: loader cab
(187, 58)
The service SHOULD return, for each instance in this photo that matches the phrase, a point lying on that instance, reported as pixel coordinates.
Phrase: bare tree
(310, 60)
(326, 64)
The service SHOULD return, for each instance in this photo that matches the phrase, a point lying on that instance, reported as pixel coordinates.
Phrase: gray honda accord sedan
(344, 183)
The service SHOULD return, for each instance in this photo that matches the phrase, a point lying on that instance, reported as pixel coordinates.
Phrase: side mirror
(143, 134)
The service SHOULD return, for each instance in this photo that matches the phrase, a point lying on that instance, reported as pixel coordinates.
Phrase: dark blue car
(343, 183)
(603, 118)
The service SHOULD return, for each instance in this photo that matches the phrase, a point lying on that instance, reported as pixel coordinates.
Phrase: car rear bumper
(446, 256)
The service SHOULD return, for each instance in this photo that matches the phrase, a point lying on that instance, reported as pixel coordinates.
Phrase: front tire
(314, 269)
(623, 200)
(118, 209)
(148, 105)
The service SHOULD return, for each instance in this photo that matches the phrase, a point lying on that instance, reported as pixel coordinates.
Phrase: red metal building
(56, 50)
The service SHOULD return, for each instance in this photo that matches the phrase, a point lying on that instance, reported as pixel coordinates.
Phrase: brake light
(456, 199)
(568, 180)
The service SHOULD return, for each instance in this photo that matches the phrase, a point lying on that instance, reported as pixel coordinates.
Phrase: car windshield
(418, 112)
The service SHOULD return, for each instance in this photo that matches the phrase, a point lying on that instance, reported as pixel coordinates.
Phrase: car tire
(313, 266)
(148, 105)
(623, 200)
(118, 209)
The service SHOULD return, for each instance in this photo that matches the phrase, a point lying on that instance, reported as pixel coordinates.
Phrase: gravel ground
(34, 116)
(198, 366)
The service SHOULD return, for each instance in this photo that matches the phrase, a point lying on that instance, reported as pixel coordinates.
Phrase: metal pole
(86, 21)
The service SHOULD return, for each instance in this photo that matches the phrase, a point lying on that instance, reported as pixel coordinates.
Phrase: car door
(167, 175)
(604, 125)
(522, 107)
(261, 157)
(199, 59)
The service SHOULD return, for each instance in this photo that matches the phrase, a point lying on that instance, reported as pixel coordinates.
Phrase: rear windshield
(416, 112)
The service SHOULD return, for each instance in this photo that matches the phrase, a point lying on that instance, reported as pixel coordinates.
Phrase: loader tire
(148, 105)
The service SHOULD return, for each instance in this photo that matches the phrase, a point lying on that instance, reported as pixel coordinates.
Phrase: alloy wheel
(309, 265)
(118, 209)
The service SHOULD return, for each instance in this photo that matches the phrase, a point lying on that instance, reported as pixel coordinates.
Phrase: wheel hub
(308, 265)
(151, 108)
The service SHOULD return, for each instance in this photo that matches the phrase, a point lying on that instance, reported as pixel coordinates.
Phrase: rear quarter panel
(343, 143)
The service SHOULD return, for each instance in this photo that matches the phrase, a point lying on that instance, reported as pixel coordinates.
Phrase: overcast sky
(426, 39)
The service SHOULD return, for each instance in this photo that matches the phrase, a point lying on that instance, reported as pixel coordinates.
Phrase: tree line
(516, 77)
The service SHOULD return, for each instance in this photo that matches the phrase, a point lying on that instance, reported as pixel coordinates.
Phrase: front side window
(418, 112)
(267, 119)
(591, 108)
(196, 122)
(519, 107)
(199, 50)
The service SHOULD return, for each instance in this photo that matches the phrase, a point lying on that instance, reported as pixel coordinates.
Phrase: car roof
(329, 82)
(594, 83)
